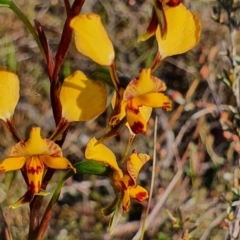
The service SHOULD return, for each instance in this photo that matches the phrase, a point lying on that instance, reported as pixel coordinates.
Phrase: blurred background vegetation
(196, 188)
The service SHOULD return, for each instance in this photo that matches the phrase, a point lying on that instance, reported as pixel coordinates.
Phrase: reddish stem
(60, 57)
(156, 62)
(114, 76)
(48, 53)
(35, 231)
(12, 130)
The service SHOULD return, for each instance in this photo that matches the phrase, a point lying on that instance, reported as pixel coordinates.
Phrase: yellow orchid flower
(34, 154)
(101, 153)
(184, 31)
(9, 93)
(140, 96)
(180, 29)
(82, 99)
(125, 182)
(91, 38)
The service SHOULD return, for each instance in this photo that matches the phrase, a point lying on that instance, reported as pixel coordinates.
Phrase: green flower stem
(26, 22)
(5, 3)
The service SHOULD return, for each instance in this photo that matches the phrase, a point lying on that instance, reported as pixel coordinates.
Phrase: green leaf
(93, 167)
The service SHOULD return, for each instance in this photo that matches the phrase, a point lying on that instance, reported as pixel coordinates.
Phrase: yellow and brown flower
(125, 181)
(34, 155)
(140, 96)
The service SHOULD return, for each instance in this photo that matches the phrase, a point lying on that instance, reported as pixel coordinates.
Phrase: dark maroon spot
(137, 127)
(35, 171)
(131, 182)
(173, 3)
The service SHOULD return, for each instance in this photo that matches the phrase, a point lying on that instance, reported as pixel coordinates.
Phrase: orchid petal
(184, 30)
(9, 93)
(81, 98)
(36, 145)
(126, 201)
(12, 163)
(120, 112)
(102, 154)
(26, 198)
(145, 112)
(57, 162)
(91, 38)
(135, 119)
(35, 169)
(155, 100)
(142, 85)
(139, 193)
(123, 182)
(135, 163)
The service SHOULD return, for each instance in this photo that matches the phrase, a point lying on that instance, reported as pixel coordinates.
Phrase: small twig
(152, 179)
(213, 224)
(234, 228)
(196, 116)
(160, 203)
